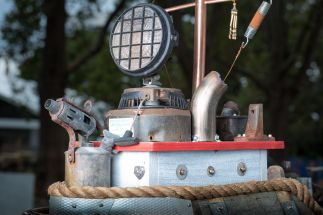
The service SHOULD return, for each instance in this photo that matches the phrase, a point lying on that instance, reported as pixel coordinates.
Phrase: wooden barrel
(37, 211)
(268, 203)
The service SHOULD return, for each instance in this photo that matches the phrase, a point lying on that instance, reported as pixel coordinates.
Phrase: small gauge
(142, 39)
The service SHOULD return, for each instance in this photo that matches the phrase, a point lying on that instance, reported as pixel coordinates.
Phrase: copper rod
(188, 5)
(199, 43)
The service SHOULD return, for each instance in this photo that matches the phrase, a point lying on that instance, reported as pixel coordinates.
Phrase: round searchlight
(142, 39)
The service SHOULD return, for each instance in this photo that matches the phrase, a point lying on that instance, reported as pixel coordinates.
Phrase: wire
(243, 45)
(137, 113)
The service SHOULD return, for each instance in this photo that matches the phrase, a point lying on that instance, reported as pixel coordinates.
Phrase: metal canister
(228, 127)
(91, 167)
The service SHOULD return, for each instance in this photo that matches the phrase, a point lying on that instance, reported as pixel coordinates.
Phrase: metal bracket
(255, 126)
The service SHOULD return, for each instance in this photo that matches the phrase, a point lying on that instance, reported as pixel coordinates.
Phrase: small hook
(244, 44)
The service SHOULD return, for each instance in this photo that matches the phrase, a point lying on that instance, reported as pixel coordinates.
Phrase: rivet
(220, 209)
(210, 171)
(181, 172)
(195, 138)
(289, 207)
(242, 169)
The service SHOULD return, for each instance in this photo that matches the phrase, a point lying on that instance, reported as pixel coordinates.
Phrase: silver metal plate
(160, 167)
(119, 125)
(126, 206)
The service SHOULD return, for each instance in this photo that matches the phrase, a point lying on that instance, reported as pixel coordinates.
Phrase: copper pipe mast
(199, 36)
(199, 43)
(188, 5)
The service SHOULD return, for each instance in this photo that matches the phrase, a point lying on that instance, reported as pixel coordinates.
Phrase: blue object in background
(16, 192)
(299, 165)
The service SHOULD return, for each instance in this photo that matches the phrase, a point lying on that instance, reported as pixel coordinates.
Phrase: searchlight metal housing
(142, 40)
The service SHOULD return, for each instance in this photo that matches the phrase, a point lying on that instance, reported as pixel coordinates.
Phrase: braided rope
(190, 193)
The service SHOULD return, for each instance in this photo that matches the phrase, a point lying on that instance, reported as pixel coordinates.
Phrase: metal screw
(210, 171)
(181, 172)
(220, 209)
(242, 169)
(195, 138)
(70, 158)
(216, 137)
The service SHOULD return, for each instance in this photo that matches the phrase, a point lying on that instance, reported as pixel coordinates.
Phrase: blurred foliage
(21, 29)
(293, 107)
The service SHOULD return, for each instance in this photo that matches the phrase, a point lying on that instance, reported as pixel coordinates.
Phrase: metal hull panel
(161, 168)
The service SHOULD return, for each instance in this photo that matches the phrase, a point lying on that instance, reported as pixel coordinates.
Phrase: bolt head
(210, 171)
(182, 171)
(220, 209)
(195, 138)
(242, 169)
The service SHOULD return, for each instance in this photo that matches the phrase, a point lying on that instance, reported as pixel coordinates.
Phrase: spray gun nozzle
(52, 106)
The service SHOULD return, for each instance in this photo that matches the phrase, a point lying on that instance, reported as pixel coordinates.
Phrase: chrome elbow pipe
(204, 104)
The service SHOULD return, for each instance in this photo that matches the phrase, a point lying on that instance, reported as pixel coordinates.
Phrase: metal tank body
(154, 113)
(158, 124)
(91, 167)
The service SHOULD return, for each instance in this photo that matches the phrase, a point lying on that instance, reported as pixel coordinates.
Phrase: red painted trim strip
(200, 146)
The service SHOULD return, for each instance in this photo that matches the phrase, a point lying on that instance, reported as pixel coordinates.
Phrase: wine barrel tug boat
(160, 153)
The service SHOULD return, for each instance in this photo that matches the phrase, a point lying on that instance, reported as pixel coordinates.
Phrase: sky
(5, 6)
(9, 72)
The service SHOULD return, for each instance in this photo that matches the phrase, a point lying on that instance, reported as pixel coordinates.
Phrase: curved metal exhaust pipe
(204, 104)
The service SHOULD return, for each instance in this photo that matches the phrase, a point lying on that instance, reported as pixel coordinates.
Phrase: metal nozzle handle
(52, 106)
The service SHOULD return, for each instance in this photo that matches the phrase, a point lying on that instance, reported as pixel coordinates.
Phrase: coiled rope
(190, 193)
